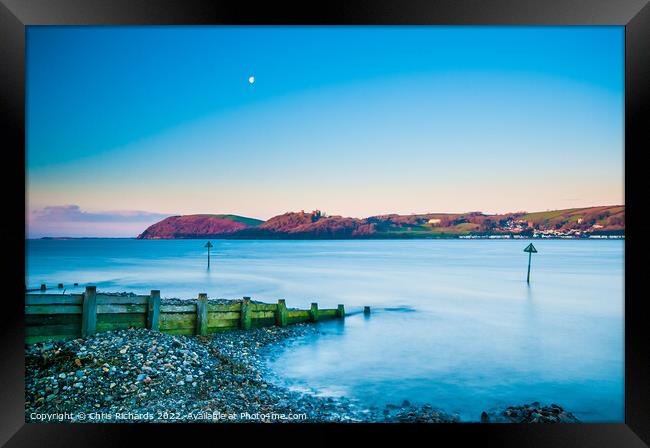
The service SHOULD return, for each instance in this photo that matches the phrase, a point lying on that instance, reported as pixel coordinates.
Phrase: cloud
(74, 213)
(71, 221)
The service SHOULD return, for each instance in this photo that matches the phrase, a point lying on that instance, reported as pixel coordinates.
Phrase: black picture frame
(15, 15)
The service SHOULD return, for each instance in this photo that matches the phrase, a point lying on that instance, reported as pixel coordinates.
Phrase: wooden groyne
(66, 316)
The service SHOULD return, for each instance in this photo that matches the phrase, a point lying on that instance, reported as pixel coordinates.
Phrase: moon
(251, 79)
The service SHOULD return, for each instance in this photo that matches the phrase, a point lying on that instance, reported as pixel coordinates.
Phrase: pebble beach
(137, 375)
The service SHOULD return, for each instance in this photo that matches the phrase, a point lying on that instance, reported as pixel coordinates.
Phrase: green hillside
(607, 216)
(252, 222)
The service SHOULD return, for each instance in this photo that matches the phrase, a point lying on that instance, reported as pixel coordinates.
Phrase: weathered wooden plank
(49, 330)
(297, 320)
(48, 296)
(246, 314)
(223, 316)
(178, 317)
(52, 319)
(264, 322)
(110, 326)
(53, 309)
(120, 321)
(103, 299)
(153, 310)
(53, 299)
(122, 318)
(327, 314)
(298, 313)
(262, 314)
(177, 320)
(263, 306)
(189, 308)
(234, 323)
(115, 309)
(218, 307)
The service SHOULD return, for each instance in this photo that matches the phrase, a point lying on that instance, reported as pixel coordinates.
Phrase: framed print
(365, 218)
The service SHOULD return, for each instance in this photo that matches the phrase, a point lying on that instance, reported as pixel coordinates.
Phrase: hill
(574, 223)
(197, 226)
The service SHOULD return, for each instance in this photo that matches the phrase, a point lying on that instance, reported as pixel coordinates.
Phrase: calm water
(453, 324)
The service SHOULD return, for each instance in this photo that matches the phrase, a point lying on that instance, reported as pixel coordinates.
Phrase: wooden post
(153, 310)
(246, 314)
(89, 312)
(281, 314)
(202, 314)
(313, 312)
(366, 311)
(531, 250)
(43, 287)
(340, 311)
(60, 285)
(208, 245)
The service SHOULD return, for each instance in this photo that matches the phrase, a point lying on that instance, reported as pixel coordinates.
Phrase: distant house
(434, 221)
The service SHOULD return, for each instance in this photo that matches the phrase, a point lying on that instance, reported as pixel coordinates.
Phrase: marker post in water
(531, 250)
(209, 246)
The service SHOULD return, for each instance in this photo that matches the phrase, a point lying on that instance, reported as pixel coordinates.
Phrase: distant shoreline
(383, 238)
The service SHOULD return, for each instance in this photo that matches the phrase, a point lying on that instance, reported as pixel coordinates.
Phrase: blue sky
(137, 122)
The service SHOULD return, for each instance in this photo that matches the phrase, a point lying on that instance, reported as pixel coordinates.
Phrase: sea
(453, 323)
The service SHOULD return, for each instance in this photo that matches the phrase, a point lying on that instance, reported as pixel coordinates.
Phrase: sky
(127, 125)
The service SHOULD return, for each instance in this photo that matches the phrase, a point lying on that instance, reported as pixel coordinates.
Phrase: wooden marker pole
(531, 250)
(209, 246)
